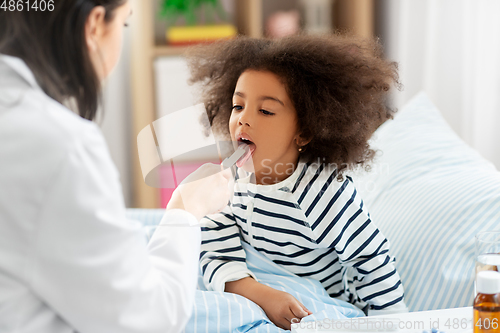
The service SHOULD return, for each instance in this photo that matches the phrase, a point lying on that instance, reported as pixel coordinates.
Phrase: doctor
(69, 259)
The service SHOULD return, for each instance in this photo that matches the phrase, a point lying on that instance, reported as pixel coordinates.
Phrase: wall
(115, 118)
(450, 50)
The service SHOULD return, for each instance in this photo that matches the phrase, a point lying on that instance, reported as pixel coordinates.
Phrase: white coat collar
(20, 67)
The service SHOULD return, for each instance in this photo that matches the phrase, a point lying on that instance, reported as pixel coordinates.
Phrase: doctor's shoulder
(50, 132)
(30, 117)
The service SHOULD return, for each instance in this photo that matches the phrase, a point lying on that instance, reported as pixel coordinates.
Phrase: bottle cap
(488, 282)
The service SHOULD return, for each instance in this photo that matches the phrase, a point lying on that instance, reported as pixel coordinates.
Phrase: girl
(305, 107)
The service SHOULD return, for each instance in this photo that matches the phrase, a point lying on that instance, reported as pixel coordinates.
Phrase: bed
(427, 191)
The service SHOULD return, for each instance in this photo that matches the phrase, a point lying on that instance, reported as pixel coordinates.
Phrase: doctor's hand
(205, 191)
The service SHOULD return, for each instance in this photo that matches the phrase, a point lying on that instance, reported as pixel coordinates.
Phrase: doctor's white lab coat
(69, 259)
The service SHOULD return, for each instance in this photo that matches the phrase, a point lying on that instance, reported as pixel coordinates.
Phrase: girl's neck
(275, 174)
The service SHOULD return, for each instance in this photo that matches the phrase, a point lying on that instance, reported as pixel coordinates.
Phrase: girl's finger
(299, 311)
(290, 318)
(284, 324)
(305, 309)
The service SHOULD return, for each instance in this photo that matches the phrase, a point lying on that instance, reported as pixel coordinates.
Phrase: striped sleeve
(222, 258)
(339, 221)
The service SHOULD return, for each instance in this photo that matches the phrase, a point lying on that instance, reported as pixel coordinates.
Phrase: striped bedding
(225, 312)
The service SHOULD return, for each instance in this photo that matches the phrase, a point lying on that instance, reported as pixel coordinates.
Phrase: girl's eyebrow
(262, 98)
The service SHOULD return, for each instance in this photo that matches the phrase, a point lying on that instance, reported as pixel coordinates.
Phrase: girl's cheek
(231, 127)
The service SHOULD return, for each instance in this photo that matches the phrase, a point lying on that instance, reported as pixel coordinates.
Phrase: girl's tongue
(247, 156)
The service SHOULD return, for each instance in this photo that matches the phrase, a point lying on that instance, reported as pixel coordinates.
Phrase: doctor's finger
(227, 173)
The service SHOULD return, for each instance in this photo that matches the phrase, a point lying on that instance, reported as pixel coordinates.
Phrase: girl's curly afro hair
(338, 84)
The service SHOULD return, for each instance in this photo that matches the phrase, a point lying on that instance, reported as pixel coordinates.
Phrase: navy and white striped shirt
(310, 224)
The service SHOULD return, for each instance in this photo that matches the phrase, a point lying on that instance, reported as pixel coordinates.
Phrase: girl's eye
(267, 113)
(237, 107)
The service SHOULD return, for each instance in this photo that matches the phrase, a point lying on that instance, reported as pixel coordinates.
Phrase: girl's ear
(301, 141)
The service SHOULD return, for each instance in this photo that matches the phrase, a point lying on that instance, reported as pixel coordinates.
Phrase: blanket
(226, 312)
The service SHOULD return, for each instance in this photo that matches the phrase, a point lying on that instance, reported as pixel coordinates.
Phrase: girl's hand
(279, 306)
(283, 309)
(205, 191)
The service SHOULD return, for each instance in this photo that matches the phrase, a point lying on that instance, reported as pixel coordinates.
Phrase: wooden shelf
(162, 51)
(143, 98)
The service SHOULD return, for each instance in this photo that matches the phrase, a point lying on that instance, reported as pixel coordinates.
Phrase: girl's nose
(244, 119)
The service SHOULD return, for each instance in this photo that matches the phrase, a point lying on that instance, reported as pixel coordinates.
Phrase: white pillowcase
(430, 194)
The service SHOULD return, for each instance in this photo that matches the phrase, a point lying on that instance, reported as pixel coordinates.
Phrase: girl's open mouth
(248, 155)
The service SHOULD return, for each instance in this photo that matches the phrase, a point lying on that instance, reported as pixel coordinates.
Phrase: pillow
(430, 194)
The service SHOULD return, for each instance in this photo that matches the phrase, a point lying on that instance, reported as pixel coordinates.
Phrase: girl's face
(104, 39)
(264, 115)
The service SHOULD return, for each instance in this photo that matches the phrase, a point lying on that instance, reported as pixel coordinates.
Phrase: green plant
(171, 10)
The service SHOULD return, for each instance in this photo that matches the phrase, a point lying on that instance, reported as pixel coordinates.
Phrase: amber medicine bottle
(487, 303)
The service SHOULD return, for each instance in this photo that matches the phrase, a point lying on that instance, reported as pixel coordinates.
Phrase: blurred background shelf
(165, 51)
